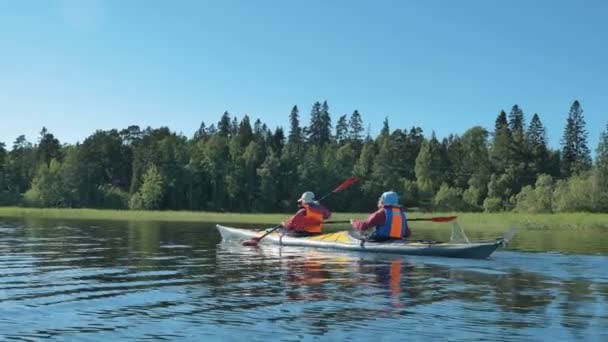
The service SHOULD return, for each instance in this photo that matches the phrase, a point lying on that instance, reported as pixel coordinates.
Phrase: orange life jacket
(395, 226)
(314, 214)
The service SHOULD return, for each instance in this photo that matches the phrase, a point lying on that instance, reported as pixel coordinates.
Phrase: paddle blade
(443, 218)
(346, 184)
(250, 243)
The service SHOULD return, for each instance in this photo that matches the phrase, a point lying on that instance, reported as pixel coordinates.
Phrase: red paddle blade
(444, 218)
(346, 184)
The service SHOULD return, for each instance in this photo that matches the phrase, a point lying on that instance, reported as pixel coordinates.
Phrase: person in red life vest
(389, 221)
(309, 218)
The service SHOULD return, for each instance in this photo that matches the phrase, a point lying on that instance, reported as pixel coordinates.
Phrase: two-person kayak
(345, 241)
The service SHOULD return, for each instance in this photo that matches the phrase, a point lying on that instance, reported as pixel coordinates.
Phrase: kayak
(345, 241)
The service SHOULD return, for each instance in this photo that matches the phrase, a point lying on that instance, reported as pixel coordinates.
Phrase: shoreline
(474, 221)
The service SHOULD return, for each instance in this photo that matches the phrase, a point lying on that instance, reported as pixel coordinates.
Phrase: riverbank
(472, 221)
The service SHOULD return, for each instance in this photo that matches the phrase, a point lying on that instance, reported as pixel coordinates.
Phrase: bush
(493, 204)
(449, 199)
(471, 197)
(409, 194)
(136, 202)
(113, 197)
(526, 199)
(538, 199)
(32, 199)
(574, 194)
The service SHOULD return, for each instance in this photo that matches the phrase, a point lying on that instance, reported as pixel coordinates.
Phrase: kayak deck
(343, 240)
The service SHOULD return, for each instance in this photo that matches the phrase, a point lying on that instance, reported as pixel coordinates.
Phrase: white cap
(307, 197)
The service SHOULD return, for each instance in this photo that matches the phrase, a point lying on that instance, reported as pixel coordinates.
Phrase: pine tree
(234, 126)
(48, 148)
(520, 154)
(201, 133)
(278, 140)
(536, 134)
(295, 131)
(385, 128)
(516, 125)
(245, 132)
(3, 158)
(601, 159)
(318, 130)
(500, 153)
(258, 129)
(341, 130)
(326, 124)
(223, 126)
(576, 156)
(355, 126)
(536, 139)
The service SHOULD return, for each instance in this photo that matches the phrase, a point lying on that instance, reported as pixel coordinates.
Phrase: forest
(239, 166)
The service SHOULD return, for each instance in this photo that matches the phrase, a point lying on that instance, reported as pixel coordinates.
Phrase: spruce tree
(245, 133)
(201, 133)
(234, 126)
(601, 159)
(341, 130)
(386, 131)
(516, 125)
(326, 124)
(536, 134)
(536, 139)
(223, 126)
(48, 147)
(3, 155)
(320, 124)
(295, 131)
(576, 156)
(355, 126)
(500, 153)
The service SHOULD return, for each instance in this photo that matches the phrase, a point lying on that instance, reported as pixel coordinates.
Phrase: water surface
(94, 280)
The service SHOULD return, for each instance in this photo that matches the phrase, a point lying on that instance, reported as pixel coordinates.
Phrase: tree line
(236, 165)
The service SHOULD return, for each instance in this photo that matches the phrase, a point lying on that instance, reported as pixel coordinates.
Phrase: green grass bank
(471, 221)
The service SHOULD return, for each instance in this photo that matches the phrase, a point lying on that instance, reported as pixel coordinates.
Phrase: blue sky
(76, 66)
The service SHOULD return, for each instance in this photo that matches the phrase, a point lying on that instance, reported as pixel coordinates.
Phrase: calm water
(100, 280)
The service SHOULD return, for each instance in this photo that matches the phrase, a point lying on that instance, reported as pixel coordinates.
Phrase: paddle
(439, 219)
(255, 240)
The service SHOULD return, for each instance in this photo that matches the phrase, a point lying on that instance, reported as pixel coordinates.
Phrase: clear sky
(76, 66)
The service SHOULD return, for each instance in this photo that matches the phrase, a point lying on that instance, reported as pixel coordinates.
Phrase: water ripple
(176, 282)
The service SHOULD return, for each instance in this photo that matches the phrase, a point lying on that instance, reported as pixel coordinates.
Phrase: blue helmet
(390, 198)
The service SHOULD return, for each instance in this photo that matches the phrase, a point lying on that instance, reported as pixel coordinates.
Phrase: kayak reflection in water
(308, 220)
(305, 277)
(389, 221)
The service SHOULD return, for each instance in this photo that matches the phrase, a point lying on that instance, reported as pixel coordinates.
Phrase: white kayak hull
(344, 241)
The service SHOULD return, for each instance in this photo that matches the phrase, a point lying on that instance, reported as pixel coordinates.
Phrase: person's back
(389, 221)
(308, 220)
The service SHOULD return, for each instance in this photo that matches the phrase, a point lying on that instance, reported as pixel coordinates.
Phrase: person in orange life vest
(308, 220)
(389, 221)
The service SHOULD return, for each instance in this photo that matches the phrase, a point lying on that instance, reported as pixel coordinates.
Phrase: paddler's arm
(376, 219)
(292, 222)
(326, 212)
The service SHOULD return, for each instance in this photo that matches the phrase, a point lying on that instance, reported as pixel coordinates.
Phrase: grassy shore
(472, 221)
